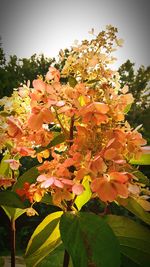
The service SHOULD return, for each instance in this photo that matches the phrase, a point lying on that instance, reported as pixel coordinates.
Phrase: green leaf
(86, 195)
(45, 239)
(89, 240)
(134, 240)
(127, 108)
(81, 100)
(47, 199)
(55, 128)
(72, 81)
(13, 213)
(54, 259)
(4, 114)
(143, 160)
(57, 140)
(134, 207)
(11, 199)
(29, 176)
(60, 138)
(141, 177)
(4, 166)
(92, 81)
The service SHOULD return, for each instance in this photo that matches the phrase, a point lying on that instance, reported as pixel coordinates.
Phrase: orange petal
(105, 190)
(39, 85)
(119, 177)
(100, 118)
(35, 121)
(101, 107)
(47, 115)
(121, 189)
(95, 184)
(110, 154)
(37, 196)
(98, 165)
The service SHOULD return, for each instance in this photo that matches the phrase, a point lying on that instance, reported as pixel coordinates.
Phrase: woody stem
(66, 255)
(71, 131)
(66, 259)
(13, 235)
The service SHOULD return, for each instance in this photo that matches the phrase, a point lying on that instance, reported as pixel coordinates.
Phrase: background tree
(138, 82)
(2, 70)
(16, 71)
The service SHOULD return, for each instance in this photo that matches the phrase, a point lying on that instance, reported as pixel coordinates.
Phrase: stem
(13, 174)
(66, 259)
(66, 255)
(71, 130)
(13, 242)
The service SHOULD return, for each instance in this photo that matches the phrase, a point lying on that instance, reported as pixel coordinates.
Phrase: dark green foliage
(9, 198)
(134, 241)
(17, 71)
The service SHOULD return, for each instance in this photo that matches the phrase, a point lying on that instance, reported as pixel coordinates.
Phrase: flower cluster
(85, 101)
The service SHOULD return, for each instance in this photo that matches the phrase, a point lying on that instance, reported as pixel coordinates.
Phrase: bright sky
(46, 26)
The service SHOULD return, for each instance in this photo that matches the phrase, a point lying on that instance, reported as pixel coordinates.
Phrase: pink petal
(47, 183)
(120, 161)
(14, 164)
(60, 103)
(66, 181)
(41, 178)
(77, 189)
(58, 183)
(145, 150)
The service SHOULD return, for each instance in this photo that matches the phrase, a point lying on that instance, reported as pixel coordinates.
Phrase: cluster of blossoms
(83, 103)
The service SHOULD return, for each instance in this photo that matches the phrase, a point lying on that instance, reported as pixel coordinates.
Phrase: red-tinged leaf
(89, 240)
